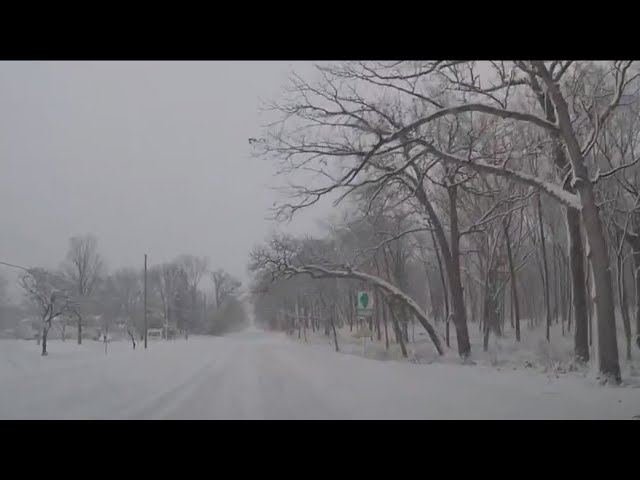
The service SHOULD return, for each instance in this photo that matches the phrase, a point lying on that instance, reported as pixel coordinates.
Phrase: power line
(15, 266)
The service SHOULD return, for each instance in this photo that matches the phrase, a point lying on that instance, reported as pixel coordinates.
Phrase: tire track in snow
(162, 405)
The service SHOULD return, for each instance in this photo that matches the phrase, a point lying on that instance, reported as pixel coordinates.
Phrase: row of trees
(511, 186)
(82, 289)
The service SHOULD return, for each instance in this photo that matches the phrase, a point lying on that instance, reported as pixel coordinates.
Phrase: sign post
(364, 308)
(363, 333)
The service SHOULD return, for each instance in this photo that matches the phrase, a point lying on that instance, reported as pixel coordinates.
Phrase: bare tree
(84, 267)
(121, 299)
(51, 294)
(223, 285)
(168, 281)
(399, 120)
(194, 268)
(618, 153)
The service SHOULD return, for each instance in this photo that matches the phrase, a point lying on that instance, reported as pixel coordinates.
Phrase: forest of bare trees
(84, 295)
(499, 196)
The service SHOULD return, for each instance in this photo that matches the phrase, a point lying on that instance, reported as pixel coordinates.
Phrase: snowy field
(257, 375)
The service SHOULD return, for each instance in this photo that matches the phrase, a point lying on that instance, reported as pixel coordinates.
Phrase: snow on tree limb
(554, 191)
(473, 107)
(318, 271)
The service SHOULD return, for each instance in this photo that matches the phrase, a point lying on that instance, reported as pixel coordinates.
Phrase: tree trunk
(405, 324)
(636, 277)
(472, 300)
(445, 293)
(413, 330)
(398, 332)
(556, 292)
(491, 307)
(333, 327)
(579, 291)
(564, 282)
(534, 313)
(587, 287)
(64, 329)
(624, 306)
(455, 280)
(503, 306)
(569, 300)
(432, 299)
(511, 309)
(451, 258)
(597, 252)
(514, 282)
(79, 329)
(378, 330)
(580, 309)
(386, 331)
(607, 346)
(305, 329)
(545, 271)
(45, 333)
(382, 309)
(634, 243)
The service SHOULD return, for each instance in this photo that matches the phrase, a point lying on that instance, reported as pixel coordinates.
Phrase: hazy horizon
(151, 157)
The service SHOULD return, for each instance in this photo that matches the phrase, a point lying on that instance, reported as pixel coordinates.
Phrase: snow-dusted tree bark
(607, 352)
(574, 236)
(636, 269)
(578, 279)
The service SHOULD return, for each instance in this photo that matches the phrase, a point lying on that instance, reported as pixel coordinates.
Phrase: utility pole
(145, 301)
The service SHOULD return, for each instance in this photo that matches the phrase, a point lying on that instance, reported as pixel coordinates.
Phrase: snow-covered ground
(257, 375)
(533, 352)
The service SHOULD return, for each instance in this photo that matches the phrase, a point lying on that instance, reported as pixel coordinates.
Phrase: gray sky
(149, 156)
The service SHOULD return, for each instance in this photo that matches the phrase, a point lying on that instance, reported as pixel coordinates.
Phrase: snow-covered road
(256, 375)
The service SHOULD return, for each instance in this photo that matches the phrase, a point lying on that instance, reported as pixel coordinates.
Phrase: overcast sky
(149, 156)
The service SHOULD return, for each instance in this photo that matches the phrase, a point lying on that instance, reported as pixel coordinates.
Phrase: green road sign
(364, 305)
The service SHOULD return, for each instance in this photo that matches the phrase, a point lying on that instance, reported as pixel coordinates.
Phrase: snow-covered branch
(554, 191)
(318, 271)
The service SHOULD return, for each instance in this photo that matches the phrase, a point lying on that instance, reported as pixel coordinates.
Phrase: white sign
(364, 304)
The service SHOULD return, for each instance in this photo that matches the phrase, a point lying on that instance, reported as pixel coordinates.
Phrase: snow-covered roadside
(533, 353)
